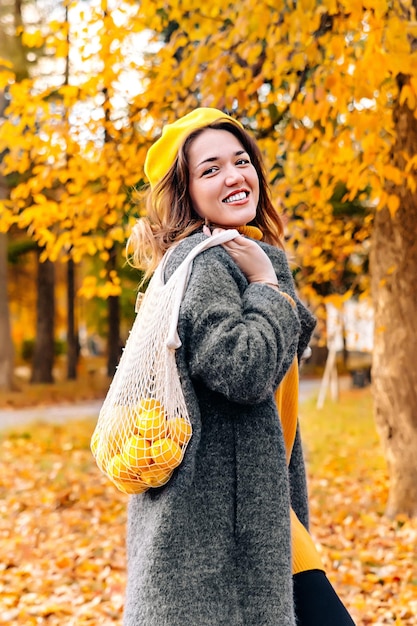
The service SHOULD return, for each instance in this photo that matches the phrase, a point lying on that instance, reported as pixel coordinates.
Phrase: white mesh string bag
(144, 427)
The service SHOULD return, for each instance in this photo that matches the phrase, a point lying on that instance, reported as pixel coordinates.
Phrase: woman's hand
(250, 258)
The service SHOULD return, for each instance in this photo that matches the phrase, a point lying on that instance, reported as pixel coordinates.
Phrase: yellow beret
(162, 154)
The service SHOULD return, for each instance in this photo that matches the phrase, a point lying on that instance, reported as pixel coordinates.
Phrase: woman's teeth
(237, 196)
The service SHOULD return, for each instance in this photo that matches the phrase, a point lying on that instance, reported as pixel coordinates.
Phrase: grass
(333, 432)
(344, 455)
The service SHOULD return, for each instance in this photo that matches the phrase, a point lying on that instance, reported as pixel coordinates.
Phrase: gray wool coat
(213, 546)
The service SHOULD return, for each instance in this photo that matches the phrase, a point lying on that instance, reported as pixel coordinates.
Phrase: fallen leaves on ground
(62, 525)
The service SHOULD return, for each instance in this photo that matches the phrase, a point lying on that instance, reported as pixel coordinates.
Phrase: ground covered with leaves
(62, 524)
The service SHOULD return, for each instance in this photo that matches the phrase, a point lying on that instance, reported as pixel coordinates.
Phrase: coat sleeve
(240, 338)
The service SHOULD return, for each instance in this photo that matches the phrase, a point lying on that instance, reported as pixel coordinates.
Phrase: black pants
(316, 602)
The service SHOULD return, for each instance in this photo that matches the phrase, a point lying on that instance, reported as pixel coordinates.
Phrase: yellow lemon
(94, 441)
(99, 451)
(151, 424)
(137, 453)
(166, 453)
(131, 486)
(156, 476)
(146, 404)
(179, 430)
(120, 423)
(118, 469)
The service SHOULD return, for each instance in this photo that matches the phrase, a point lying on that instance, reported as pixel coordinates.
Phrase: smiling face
(223, 183)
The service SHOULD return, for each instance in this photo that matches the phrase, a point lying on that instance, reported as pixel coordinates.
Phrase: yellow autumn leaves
(140, 448)
(315, 82)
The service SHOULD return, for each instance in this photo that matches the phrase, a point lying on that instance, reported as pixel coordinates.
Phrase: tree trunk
(6, 344)
(113, 340)
(72, 335)
(43, 356)
(394, 291)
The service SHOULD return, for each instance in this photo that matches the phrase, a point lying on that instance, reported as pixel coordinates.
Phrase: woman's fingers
(246, 253)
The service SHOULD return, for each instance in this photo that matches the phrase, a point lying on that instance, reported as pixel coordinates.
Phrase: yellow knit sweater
(304, 553)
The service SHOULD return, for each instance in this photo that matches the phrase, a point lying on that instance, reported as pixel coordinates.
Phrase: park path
(63, 413)
(53, 414)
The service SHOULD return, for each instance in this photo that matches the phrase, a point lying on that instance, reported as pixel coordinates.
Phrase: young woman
(225, 541)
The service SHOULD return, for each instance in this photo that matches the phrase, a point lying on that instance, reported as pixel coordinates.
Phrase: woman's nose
(233, 176)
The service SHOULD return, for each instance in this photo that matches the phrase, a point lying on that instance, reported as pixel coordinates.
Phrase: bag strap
(182, 275)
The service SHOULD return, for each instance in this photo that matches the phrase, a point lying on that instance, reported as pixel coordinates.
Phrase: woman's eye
(209, 170)
(242, 161)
